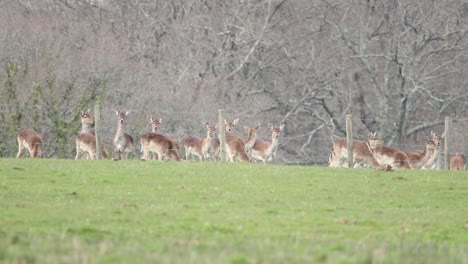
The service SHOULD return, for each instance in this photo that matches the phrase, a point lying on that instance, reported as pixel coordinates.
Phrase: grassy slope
(66, 211)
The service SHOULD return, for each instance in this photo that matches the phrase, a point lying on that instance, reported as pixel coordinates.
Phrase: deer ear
(257, 126)
(225, 122)
(116, 112)
(206, 124)
(235, 121)
(128, 112)
(270, 126)
(89, 110)
(281, 127)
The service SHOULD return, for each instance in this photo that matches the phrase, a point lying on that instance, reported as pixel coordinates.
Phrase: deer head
(86, 117)
(121, 116)
(373, 141)
(275, 131)
(438, 139)
(230, 125)
(155, 123)
(211, 130)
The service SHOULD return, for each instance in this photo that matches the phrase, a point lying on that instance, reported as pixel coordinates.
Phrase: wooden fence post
(448, 127)
(97, 131)
(222, 135)
(349, 140)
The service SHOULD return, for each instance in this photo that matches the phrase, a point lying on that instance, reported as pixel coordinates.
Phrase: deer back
(386, 154)
(458, 162)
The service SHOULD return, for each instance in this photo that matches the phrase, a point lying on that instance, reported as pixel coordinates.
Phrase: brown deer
(154, 128)
(86, 121)
(362, 156)
(202, 147)
(86, 139)
(431, 162)
(385, 155)
(251, 138)
(458, 162)
(264, 150)
(235, 147)
(160, 144)
(30, 140)
(123, 142)
(417, 159)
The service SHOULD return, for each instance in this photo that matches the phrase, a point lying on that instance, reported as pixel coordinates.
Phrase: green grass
(67, 211)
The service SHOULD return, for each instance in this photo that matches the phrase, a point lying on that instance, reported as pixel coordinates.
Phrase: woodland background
(398, 66)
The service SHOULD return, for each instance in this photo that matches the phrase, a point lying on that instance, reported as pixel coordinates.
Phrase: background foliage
(399, 66)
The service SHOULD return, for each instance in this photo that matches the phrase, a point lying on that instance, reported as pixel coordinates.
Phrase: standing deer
(123, 142)
(160, 144)
(431, 162)
(385, 155)
(30, 140)
(154, 128)
(202, 147)
(458, 162)
(235, 147)
(264, 150)
(361, 155)
(86, 139)
(251, 138)
(418, 159)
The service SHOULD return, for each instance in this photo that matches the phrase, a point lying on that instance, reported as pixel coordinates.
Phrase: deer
(266, 150)
(361, 155)
(385, 155)
(123, 142)
(154, 128)
(202, 147)
(251, 138)
(417, 159)
(86, 121)
(86, 139)
(30, 140)
(458, 162)
(235, 147)
(162, 145)
(431, 162)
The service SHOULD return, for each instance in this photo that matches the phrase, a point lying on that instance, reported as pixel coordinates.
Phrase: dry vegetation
(398, 66)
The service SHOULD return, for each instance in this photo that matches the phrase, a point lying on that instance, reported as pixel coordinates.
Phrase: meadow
(67, 211)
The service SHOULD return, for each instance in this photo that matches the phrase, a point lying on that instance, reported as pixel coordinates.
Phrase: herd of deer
(372, 153)
(164, 147)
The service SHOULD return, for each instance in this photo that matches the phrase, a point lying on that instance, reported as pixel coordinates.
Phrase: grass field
(67, 211)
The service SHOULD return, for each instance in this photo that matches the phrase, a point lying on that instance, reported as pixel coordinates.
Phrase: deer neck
(85, 128)
(250, 140)
(432, 157)
(271, 150)
(120, 131)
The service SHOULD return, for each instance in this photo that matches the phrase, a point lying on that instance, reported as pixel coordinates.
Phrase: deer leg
(20, 150)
